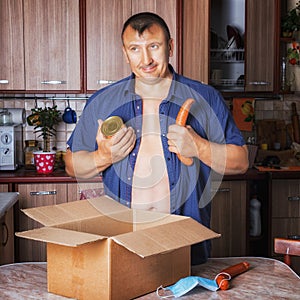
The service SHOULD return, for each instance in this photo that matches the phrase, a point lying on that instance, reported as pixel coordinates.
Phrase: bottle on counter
(30, 147)
(255, 216)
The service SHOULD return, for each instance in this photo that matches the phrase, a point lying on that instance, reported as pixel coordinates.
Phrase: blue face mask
(186, 284)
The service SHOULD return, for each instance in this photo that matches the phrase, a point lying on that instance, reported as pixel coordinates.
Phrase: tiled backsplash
(264, 109)
(63, 130)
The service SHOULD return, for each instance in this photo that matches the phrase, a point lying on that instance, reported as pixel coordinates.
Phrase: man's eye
(134, 49)
(154, 46)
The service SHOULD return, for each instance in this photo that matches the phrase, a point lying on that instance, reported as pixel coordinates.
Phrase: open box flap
(53, 215)
(60, 236)
(170, 236)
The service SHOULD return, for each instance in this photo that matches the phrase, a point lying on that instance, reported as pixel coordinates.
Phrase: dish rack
(227, 55)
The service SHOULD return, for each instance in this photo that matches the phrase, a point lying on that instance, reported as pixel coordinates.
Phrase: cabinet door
(12, 47)
(88, 189)
(7, 238)
(35, 195)
(3, 187)
(286, 198)
(261, 36)
(286, 212)
(228, 217)
(52, 44)
(167, 9)
(195, 60)
(105, 61)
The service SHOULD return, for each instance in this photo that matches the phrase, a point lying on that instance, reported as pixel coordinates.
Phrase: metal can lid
(111, 126)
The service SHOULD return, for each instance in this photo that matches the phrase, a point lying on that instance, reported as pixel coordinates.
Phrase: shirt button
(138, 107)
(138, 131)
(133, 154)
(129, 178)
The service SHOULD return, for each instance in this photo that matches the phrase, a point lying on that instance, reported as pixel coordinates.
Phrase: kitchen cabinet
(7, 237)
(286, 212)
(52, 45)
(228, 217)
(3, 187)
(252, 69)
(34, 195)
(105, 60)
(89, 189)
(12, 76)
(42, 194)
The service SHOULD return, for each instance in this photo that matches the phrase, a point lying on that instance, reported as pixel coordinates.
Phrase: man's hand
(181, 140)
(117, 147)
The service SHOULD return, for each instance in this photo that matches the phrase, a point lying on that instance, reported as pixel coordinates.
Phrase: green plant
(44, 120)
(291, 21)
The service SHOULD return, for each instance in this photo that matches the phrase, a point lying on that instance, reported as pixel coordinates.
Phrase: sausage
(181, 120)
(223, 280)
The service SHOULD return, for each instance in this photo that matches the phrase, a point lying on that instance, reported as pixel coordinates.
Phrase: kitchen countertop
(7, 200)
(266, 279)
(60, 176)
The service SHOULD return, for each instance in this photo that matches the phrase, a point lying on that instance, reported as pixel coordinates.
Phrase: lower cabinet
(286, 212)
(35, 195)
(228, 217)
(84, 190)
(7, 238)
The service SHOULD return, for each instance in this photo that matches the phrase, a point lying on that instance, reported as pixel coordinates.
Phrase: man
(139, 163)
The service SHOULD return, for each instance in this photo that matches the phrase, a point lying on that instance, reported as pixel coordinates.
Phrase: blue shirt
(190, 190)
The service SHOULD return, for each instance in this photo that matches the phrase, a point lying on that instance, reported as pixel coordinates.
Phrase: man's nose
(147, 58)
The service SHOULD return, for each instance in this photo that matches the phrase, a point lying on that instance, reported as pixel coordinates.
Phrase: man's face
(148, 54)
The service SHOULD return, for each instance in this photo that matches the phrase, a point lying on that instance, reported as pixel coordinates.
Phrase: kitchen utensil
(295, 122)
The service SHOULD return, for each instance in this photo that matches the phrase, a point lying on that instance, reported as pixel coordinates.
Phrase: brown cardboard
(100, 249)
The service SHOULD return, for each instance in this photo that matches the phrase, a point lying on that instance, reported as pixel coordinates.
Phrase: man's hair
(143, 21)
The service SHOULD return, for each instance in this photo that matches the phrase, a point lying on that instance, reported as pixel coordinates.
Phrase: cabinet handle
(3, 81)
(221, 190)
(259, 83)
(53, 82)
(4, 228)
(41, 193)
(294, 198)
(105, 81)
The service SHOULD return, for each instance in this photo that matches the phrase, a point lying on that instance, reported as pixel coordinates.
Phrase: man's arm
(85, 164)
(222, 158)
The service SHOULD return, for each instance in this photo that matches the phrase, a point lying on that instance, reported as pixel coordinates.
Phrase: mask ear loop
(160, 296)
(224, 279)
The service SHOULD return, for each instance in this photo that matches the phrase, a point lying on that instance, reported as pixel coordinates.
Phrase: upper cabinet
(105, 62)
(262, 36)
(104, 56)
(11, 49)
(40, 45)
(52, 45)
(74, 46)
(233, 44)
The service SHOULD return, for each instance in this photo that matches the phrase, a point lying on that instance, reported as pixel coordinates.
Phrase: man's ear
(171, 47)
(125, 55)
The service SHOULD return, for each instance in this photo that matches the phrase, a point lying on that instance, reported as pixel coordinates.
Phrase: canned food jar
(30, 147)
(111, 126)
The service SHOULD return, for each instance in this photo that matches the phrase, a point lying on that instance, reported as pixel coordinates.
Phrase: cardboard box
(100, 249)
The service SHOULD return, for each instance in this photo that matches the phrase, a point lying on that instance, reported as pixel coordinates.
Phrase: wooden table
(266, 279)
